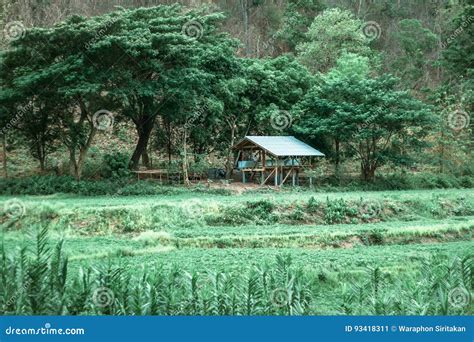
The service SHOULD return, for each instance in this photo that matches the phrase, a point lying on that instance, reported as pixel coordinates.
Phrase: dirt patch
(351, 242)
(239, 188)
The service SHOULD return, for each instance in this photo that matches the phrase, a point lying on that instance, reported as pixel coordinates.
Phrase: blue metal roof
(283, 146)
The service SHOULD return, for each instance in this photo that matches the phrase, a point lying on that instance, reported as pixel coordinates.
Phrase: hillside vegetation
(406, 252)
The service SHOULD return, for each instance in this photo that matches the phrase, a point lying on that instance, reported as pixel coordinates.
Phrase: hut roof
(280, 146)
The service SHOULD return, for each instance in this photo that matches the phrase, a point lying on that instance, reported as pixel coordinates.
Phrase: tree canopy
(372, 83)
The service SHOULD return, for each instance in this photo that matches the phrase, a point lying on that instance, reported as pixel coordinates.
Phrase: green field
(336, 241)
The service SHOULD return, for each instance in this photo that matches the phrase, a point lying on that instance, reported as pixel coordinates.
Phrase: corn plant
(38, 281)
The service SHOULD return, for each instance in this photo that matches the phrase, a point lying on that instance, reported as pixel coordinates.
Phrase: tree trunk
(77, 165)
(81, 161)
(441, 154)
(73, 168)
(146, 159)
(368, 171)
(42, 163)
(337, 159)
(144, 128)
(185, 159)
(245, 6)
(4, 155)
(168, 142)
(229, 165)
(41, 155)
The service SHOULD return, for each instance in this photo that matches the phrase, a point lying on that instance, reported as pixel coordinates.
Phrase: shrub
(297, 214)
(48, 185)
(261, 206)
(337, 211)
(313, 205)
(152, 238)
(115, 165)
(373, 237)
(257, 212)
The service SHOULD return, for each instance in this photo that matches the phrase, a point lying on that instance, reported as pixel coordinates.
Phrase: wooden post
(243, 176)
(294, 177)
(276, 175)
(4, 155)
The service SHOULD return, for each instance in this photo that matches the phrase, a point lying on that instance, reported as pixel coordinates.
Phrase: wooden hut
(273, 157)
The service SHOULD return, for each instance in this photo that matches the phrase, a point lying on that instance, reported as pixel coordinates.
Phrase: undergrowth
(37, 281)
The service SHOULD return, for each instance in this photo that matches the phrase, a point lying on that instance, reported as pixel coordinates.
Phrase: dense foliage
(171, 82)
(37, 281)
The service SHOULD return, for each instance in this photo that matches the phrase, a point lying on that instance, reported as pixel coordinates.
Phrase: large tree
(366, 114)
(161, 71)
(131, 62)
(48, 69)
(332, 33)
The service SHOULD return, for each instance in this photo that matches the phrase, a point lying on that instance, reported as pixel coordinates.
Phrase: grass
(282, 196)
(336, 242)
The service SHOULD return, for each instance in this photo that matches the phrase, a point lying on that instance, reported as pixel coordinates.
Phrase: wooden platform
(156, 174)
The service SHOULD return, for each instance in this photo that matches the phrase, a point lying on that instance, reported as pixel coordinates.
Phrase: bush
(115, 165)
(297, 214)
(48, 185)
(313, 205)
(262, 206)
(257, 212)
(373, 237)
(398, 181)
(152, 238)
(337, 211)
